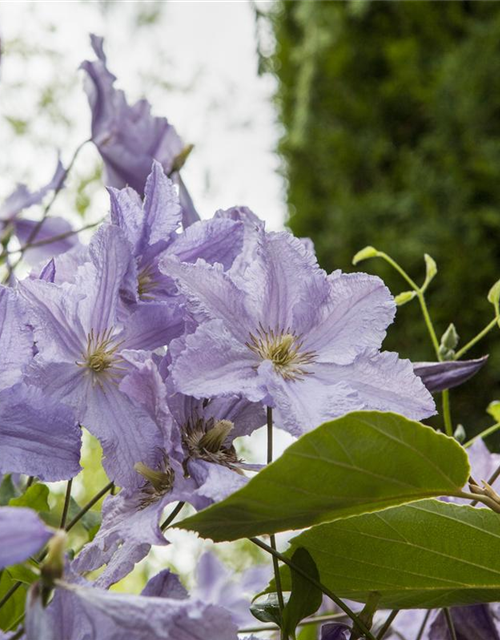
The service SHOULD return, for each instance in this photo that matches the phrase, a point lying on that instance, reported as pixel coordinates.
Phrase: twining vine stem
(170, 518)
(67, 500)
(449, 622)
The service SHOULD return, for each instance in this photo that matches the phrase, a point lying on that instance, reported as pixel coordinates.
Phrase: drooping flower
(129, 138)
(152, 230)
(82, 337)
(195, 463)
(34, 231)
(438, 376)
(22, 534)
(288, 335)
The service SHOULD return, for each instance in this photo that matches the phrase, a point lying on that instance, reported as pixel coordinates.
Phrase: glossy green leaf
(14, 607)
(404, 297)
(266, 608)
(430, 270)
(7, 490)
(362, 462)
(35, 497)
(426, 554)
(494, 410)
(305, 599)
(365, 254)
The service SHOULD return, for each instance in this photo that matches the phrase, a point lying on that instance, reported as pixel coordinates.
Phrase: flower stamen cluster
(204, 440)
(146, 283)
(283, 349)
(159, 481)
(100, 356)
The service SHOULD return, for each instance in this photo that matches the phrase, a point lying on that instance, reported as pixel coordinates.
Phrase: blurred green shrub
(391, 113)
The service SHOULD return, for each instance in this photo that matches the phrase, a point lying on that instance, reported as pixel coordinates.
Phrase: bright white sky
(197, 65)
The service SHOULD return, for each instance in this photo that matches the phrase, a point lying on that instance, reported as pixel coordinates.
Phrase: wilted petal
(438, 376)
(22, 534)
(40, 436)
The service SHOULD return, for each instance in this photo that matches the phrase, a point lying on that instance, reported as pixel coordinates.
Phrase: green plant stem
(400, 270)
(18, 635)
(272, 538)
(89, 505)
(479, 337)
(30, 481)
(449, 622)
(387, 624)
(67, 499)
(484, 434)
(10, 593)
(171, 517)
(423, 625)
(356, 620)
(303, 623)
(448, 425)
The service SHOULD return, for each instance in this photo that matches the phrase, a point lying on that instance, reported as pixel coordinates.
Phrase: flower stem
(272, 538)
(356, 620)
(170, 518)
(67, 499)
(479, 337)
(449, 622)
(484, 434)
(424, 624)
(448, 425)
(89, 505)
(387, 624)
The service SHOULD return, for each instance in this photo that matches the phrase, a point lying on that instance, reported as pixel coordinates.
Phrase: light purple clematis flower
(28, 230)
(82, 338)
(129, 138)
(16, 338)
(22, 534)
(194, 463)
(80, 613)
(152, 230)
(288, 335)
(438, 376)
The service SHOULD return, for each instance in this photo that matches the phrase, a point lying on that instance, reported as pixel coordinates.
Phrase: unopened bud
(53, 565)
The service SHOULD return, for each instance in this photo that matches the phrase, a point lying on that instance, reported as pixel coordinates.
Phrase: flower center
(146, 283)
(204, 440)
(100, 355)
(284, 350)
(159, 481)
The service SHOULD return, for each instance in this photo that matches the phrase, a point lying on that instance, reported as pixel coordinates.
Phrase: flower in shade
(195, 462)
(83, 336)
(152, 228)
(438, 376)
(288, 335)
(335, 631)
(22, 534)
(128, 137)
(34, 231)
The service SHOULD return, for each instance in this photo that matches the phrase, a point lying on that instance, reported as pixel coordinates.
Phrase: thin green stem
(400, 270)
(449, 622)
(428, 322)
(10, 593)
(67, 500)
(171, 517)
(272, 538)
(30, 481)
(423, 625)
(89, 505)
(484, 434)
(303, 623)
(448, 425)
(387, 624)
(479, 337)
(356, 620)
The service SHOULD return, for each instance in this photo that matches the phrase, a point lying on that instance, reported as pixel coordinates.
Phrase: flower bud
(53, 566)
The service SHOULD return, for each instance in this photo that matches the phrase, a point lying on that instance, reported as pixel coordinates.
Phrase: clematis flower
(82, 343)
(22, 534)
(129, 138)
(39, 436)
(151, 228)
(80, 612)
(195, 463)
(438, 376)
(288, 335)
(23, 228)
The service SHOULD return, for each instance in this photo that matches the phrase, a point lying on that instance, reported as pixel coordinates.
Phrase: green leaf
(7, 490)
(14, 607)
(365, 254)
(430, 270)
(494, 296)
(35, 497)
(305, 598)
(22, 573)
(91, 521)
(427, 554)
(494, 410)
(362, 462)
(404, 297)
(266, 608)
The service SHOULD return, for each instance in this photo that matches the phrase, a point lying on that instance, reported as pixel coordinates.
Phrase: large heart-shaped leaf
(362, 462)
(426, 554)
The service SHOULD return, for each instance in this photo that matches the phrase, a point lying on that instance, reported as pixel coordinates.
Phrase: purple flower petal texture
(22, 534)
(438, 376)
(16, 338)
(286, 334)
(39, 436)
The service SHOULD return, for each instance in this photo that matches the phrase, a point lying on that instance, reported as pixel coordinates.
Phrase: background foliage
(392, 138)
